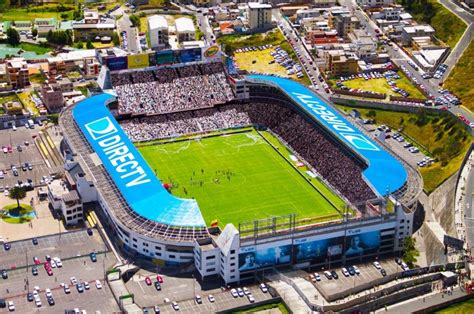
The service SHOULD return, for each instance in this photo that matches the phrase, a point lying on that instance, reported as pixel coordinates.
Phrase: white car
(48, 293)
(11, 306)
(345, 272)
(405, 266)
(263, 287)
(58, 262)
(175, 306)
(38, 302)
(234, 293)
(211, 298)
(73, 280)
(98, 284)
(52, 263)
(356, 269)
(67, 290)
(246, 291)
(86, 285)
(251, 298)
(240, 292)
(377, 265)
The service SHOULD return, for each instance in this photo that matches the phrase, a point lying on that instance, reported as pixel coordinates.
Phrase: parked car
(317, 277)
(377, 265)
(157, 286)
(98, 284)
(263, 287)
(334, 274)
(4, 274)
(148, 281)
(211, 298)
(383, 272)
(234, 293)
(93, 257)
(345, 272)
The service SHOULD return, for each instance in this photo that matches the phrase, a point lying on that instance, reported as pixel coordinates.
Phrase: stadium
(236, 173)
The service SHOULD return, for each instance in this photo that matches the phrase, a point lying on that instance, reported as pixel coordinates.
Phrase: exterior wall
(90, 33)
(158, 249)
(374, 3)
(72, 212)
(259, 18)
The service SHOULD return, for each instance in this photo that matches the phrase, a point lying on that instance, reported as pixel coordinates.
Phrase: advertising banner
(190, 55)
(165, 57)
(138, 61)
(250, 258)
(117, 63)
(362, 243)
(212, 53)
(318, 250)
(152, 58)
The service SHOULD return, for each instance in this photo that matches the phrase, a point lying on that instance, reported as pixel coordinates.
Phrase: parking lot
(71, 248)
(173, 288)
(368, 273)
(65, 245)
(22, 138)
(223, 301)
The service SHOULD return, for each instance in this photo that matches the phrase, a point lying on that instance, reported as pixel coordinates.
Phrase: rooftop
(184, 24)
(157, 21)
(256, 5)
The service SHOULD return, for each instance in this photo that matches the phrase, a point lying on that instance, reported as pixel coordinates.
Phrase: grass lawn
(25, 98)
(34, 48)
(17, 215)
(280, 306)
(244, 59)
(29, 14)
(261, 184)
(449, 28)
(458, 308)
(380, 85)
(439, 134)
(461, 78)
(99, 45)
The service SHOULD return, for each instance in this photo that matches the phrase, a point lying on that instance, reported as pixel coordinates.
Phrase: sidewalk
(423, 302)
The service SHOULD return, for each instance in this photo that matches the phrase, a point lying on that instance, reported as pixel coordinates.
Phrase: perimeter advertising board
(317, 251)
(117, 63)
(165, 57)
(138, 61)
(189, 55)
(212, 53)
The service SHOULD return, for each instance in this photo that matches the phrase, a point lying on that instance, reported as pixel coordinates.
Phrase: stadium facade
(150, 222)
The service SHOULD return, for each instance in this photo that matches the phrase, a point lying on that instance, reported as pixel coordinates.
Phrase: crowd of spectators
(322, 153)
(171, 89)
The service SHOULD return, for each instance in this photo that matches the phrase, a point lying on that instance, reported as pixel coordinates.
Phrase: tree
(135, 20)
(410, 252)
(17, 193)
(13, 37)
(116, 39)
(34, 32)
(89, 44)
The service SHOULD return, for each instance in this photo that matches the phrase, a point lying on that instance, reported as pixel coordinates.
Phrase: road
(203, 24)
(125, 25)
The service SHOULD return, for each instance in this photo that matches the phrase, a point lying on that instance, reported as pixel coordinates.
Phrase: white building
(185, 29)
(66, 201)
(259, 15)
(158, 30)
(374, 3)
(410, 32)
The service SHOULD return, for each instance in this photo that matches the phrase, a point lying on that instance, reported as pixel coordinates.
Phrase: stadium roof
(137, 183)
(384, 173)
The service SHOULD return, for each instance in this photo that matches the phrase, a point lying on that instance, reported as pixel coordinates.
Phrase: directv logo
(120, 156)
(100, 128)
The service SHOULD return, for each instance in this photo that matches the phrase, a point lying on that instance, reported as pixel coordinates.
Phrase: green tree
(135, 20)
(89, 44)
(17, 193)
(116, 39)
(34, 32)
(410, 252)
(13, 37)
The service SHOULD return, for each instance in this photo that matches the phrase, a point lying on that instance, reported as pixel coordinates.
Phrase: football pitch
(238, 177)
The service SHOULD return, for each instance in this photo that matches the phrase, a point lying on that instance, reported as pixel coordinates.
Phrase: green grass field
(261, 183)
(458, 308)
(461, 78)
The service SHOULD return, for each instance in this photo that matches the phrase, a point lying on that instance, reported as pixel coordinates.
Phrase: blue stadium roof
(384, 173)
(137, 183)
